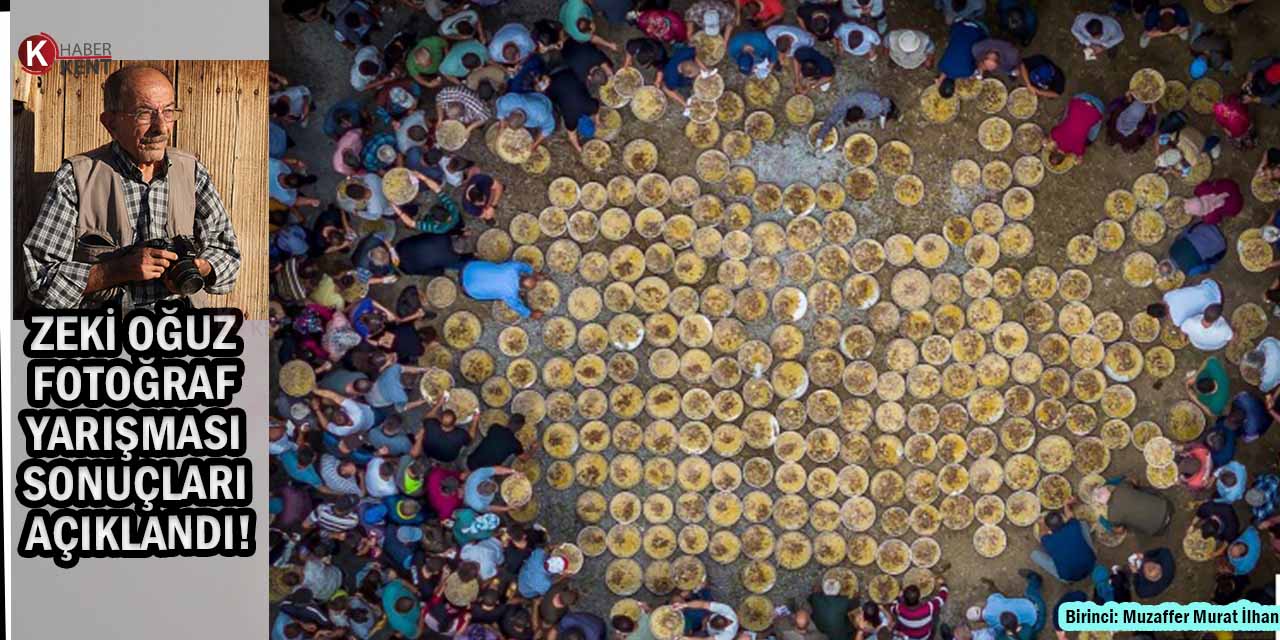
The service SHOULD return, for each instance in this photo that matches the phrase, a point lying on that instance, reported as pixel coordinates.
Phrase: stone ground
(1067, 205)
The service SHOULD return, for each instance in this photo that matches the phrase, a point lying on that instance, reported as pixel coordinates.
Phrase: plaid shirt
(473, 106)
(55, 280)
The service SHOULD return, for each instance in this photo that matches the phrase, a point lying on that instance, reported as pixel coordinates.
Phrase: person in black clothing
(1153, 572)
(1042, 76)
(489, 609)
(444, 441)
(573, 101)
(517, 624)
(1217, 520)
(812, 70)
(587, 61)
(820, 19)
(1229, 588)
(645, 52)
(498, 445)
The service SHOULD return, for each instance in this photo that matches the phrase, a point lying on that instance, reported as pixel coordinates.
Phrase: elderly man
(92, 241)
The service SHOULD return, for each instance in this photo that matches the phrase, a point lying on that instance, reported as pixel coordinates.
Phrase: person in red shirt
(1195, 467)
(761, 13)
(1079, 126)
(1215, 200)
(442, 491)
(663, 25)
(914, 619)
(1232, 114)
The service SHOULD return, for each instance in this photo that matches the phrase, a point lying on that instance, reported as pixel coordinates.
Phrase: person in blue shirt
(1222, 443)
(505, 281)
(404, 511)
(1248, 416)
(676, 76)
(1066, 552)
(1168, 20)
(957, 60)
(539, 572)
(1230, 482)
(403, 609)
(754, 52)
(481, 488)
(299, 464)
(812, 70)
(1242, 555)
(1011, 626)
(532, 111)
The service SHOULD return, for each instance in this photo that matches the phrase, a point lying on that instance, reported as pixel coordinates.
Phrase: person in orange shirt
(762, 13)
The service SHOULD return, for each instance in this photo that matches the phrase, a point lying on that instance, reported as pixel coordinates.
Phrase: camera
(184, 273)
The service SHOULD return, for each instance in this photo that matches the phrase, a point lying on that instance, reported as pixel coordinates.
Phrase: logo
(39, 53)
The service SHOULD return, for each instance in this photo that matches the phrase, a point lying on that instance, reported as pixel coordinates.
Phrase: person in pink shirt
(346, 155)
(1232, 114)
(663, 25)
(1215, 200)
(1195, 467)
(442, 491)
(1079, 126)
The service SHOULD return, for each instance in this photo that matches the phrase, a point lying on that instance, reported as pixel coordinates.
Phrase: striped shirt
(474, 108)
(917, 622)
(330, 521)
(334, 480)
(57, 281)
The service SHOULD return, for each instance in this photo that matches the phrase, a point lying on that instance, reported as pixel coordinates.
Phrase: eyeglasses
(145, 116)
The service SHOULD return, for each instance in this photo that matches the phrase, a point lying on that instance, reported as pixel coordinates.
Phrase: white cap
(711, 23)
(556, 564)
(909, 41)
(1270, 233)
(831, 587)
(973, 613)
(762, 69)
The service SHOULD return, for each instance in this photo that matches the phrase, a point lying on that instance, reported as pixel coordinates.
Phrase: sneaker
(1144, 41)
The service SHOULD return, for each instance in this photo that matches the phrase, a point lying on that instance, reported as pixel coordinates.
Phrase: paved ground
(1067, 205)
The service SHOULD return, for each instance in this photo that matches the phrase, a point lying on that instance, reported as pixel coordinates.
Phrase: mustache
(154, 139)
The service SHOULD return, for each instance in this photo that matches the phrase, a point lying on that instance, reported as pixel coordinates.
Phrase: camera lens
(186, 277)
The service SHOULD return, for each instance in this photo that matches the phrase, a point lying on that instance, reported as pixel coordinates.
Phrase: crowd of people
(388, 518)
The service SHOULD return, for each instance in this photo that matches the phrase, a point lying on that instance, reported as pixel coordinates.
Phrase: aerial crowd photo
(766, 319)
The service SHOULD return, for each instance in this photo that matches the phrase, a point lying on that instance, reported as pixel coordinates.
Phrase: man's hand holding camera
(142, 263)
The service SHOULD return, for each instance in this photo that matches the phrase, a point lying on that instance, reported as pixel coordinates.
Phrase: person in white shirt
(1208, 331)
(1183, 303)
(858, 40)
(787, 39)
(910, 49)
(1097, 34)
(1263, 364)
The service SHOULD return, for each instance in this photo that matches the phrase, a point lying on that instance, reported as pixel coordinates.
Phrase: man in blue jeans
(1066, 551)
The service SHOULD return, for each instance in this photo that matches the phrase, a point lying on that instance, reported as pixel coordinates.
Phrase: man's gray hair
(114, 88)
